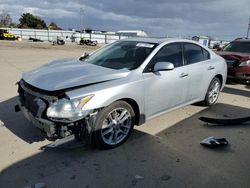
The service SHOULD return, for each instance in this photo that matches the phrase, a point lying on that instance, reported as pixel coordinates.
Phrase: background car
(5, 35)
(237, 55)
(104, 94)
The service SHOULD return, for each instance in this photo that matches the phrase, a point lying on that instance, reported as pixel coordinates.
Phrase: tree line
(26, 20)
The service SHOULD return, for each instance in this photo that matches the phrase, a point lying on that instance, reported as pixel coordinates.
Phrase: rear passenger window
(206, 54)
(194, 53)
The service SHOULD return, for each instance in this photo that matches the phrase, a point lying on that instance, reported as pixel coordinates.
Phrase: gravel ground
(164, 152)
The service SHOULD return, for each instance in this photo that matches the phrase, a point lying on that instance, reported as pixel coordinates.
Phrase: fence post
(119, 37)
(21, 34)
(35, 33)
(90, 36)
(48, 35)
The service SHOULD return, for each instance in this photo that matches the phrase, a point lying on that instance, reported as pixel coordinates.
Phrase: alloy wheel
(116, 126)
(214, 92)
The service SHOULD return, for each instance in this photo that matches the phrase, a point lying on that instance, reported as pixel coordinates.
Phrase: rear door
(199, 67)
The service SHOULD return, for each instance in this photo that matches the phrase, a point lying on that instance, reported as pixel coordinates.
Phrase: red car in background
(237, 56)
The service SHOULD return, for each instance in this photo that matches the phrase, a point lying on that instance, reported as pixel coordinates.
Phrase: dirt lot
(164, 152)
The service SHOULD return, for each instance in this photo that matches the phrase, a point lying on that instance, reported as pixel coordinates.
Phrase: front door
(165, 89)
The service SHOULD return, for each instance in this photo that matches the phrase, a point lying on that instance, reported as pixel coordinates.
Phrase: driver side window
(171, 53)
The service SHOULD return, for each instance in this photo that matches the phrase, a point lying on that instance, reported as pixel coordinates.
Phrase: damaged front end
(54, 113)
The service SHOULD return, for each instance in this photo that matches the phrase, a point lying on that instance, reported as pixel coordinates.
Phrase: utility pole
(81, 18)
(248, 28)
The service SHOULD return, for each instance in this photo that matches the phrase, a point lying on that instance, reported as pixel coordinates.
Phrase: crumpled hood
(234, 55)
(68, 73)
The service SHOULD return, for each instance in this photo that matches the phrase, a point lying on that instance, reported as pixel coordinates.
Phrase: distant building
(132, 33)
(209, 42)
(109, 32)
(202, 40)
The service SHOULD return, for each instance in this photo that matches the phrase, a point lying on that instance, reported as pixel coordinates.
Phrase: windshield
(120, 55)
(242, 47)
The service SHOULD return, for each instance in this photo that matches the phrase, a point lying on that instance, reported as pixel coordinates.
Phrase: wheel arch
(220, 77)
(138, 117)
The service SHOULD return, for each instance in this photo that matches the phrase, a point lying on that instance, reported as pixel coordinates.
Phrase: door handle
(183, 75)
(211, 68)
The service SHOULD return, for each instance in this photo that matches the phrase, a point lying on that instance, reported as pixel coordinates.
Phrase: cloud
(218, 18)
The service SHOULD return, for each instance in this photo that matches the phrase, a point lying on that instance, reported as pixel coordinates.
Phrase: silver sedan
(102, 95)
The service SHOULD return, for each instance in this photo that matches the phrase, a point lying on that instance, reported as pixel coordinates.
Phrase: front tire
(114, 124)
(213, 92)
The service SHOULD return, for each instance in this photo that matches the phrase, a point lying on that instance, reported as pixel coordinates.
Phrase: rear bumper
(242, 76)
(239, 76)
(238, 73)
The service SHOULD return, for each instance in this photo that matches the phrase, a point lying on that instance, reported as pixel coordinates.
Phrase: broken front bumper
(34, 104)
(45, 125)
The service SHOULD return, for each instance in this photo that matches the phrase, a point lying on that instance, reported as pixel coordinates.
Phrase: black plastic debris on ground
(212, 142)
(235, 121)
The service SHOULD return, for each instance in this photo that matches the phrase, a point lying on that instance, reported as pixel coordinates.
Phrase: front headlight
(244, 63)
(68, 110)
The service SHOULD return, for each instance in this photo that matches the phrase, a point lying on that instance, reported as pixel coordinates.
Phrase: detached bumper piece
(235, 121)
(212, 142)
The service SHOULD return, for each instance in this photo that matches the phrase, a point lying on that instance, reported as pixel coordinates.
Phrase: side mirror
(163, 66)
(84, 55)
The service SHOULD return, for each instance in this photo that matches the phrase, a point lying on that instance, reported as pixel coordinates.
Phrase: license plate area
(230, 62)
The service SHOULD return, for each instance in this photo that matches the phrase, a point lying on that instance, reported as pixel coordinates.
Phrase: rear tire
(213, 92)
(114, 125)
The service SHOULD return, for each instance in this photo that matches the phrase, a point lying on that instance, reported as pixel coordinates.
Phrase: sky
(221, 19)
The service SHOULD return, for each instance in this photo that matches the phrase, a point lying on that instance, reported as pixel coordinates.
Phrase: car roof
(156, 40)
(242, 40)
